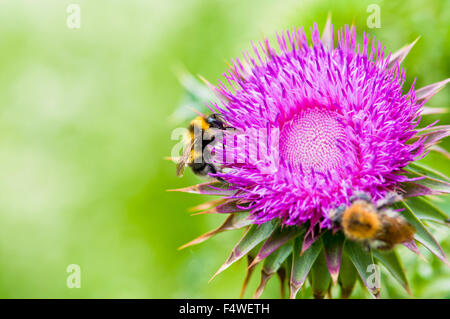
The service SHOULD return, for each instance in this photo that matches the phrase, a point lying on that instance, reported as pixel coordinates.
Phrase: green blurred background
(85, 125)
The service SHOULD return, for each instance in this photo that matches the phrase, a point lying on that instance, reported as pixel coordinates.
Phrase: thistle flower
(336, 123)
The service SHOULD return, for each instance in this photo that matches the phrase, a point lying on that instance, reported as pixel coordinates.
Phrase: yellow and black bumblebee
(374, 224)
(202, 131)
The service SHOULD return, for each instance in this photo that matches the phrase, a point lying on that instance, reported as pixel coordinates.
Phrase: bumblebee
(374, 224)
(202, 131)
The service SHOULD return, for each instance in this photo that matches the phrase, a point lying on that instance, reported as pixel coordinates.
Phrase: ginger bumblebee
(374, 224)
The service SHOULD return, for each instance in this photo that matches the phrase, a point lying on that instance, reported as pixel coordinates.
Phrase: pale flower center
(310, 141)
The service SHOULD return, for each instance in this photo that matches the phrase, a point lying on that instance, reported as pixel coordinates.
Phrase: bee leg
(366, 245)
(336, 214)
(207, 169)
(220, 179)
(341, 209)
(389, 199)
(213, 170)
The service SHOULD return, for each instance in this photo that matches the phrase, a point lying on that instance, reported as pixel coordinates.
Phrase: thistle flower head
(342, 124)
(315, 125)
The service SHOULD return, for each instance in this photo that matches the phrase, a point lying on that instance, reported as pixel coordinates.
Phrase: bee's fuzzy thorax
(360, 221)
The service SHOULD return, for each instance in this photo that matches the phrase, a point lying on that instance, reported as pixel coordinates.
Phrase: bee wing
(184, 159)
(186, 156)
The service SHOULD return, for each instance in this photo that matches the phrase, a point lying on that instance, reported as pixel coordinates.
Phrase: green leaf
(422, 234)
(364, 263)
(310, 238)
(427, 110)
(427, 92)
(327, 37)
(423, 209)
(347, 276)
(281, 273)
(255, 235)
(425, 170)
(435, 137)
(435, 185)
(272, 264)
(250, 256)
(274, 261)
(228, 207)
(333, 246)
(210, 188)
(440, 150)
(414, 190)
(208, 205)
(393, 264)
(278, 238)
(320, 277)
(413, 247)
(301, 264)
(398, 56)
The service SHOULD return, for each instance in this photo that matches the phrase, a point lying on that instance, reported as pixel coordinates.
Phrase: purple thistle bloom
(320, 133)
(337, 122)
